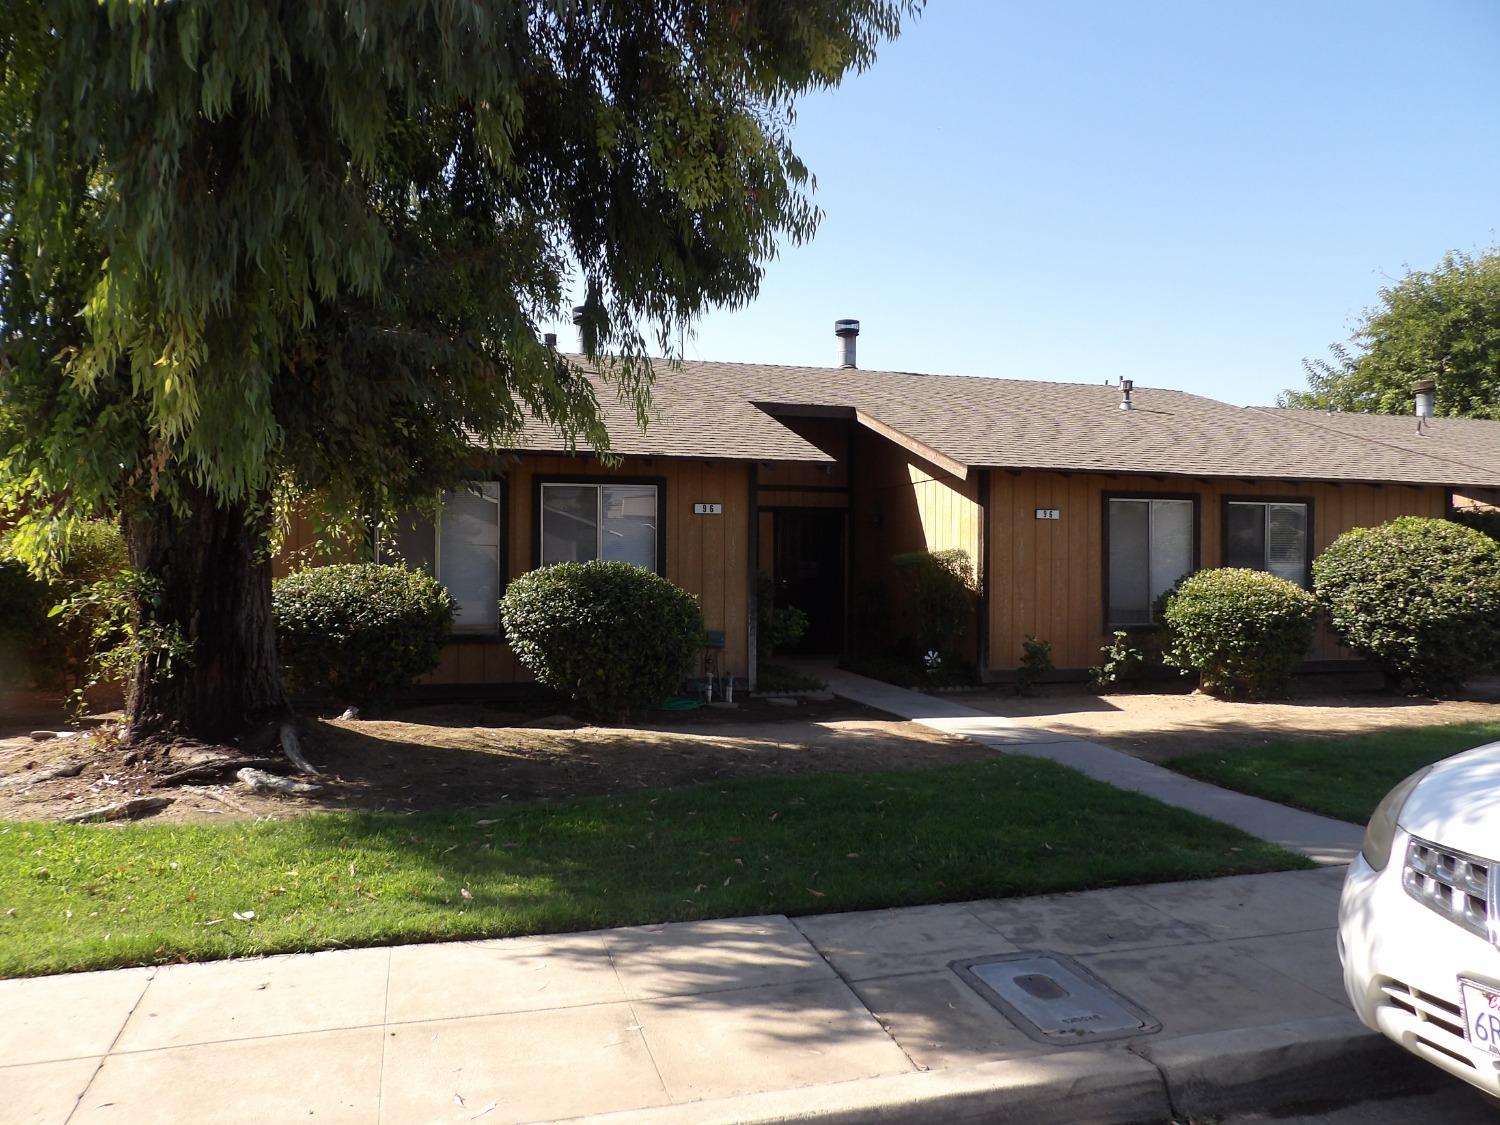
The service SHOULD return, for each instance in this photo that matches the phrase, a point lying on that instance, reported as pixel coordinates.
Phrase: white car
(1419, 920)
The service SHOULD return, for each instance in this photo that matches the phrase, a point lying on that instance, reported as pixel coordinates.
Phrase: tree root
(292, 748)
(67, 769)
(121, 810)
(219, 797)
(209, 769)
(258, 781)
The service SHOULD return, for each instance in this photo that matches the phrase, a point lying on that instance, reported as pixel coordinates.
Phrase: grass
(1339, 777)
(84, 897)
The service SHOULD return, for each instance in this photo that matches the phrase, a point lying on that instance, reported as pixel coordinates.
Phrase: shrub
(40, 643)
(360, 630)
(1242, 631)
(1036, 662)
(1123, 665)
(1486, 520)
(611, 635)
(941, 587)
(771, 679)
(1418, 597)
(776, 625)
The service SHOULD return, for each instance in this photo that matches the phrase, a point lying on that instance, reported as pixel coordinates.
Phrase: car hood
(1457, 804)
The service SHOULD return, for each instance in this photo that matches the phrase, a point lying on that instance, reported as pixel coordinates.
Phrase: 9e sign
(1049, 513)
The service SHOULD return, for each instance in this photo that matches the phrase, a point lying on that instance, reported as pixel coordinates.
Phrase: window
(1151, 546)
(614, 522)
(1269, 535)
(461, 549)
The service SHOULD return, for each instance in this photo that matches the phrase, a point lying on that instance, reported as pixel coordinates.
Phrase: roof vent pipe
(578, 324)
(846, 331)
(1424, 392)
(1126, 386)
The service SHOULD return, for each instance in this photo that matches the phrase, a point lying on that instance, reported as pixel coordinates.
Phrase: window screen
(615, 522)
(414, 542)
(1129, 574)
(570, 523)
(1150, 548)
(469, 558)
(1267, 536)
(461, 549)
(629, 524)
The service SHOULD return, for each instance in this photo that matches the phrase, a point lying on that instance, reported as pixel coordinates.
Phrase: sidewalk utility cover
(1054, 999)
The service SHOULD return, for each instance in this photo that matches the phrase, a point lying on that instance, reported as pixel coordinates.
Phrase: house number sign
(708, 509)
(1049, 513)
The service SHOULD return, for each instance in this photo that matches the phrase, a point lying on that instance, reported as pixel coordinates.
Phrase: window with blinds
(1267, 535)
(461, 548)
(1151, 546)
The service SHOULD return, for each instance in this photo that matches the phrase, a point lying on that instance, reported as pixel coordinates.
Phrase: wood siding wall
(904, 503)
(1047, 577)
(707, 555)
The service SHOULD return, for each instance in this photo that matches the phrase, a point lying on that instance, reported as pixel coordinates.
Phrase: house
(1079, 503)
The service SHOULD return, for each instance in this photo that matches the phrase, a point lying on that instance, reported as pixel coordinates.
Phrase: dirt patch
(1162, 726)
(451, 756)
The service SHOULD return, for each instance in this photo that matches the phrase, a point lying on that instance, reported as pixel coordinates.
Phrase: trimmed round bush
(1242, 631)
(612, 636)
(360, 630)
(1419, 598)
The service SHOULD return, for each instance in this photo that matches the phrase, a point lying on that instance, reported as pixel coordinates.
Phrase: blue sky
(1189, 194)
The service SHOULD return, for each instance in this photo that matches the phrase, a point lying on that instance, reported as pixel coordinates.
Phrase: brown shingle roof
(1471, 442)
(690, 418)
(709, 409)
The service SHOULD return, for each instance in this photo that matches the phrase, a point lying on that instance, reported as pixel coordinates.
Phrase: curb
(1327, 1061)
(1072, 1088)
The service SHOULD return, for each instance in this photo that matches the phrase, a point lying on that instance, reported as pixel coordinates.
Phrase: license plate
(1481, 1005)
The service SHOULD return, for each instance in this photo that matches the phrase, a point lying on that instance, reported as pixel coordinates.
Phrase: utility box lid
(1054, 999)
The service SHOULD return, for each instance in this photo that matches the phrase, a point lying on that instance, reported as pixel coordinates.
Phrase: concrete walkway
(1319, 837)
(841, 1017)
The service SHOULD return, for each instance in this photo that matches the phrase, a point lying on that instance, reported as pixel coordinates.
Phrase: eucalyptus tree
(251, 246)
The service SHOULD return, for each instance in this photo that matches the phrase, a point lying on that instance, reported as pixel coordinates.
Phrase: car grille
(1460, 887)
(1438, 1021)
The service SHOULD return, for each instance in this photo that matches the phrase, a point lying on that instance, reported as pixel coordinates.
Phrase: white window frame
(598, 486)
(1265, 506)
(1145, 498)
(474, 488)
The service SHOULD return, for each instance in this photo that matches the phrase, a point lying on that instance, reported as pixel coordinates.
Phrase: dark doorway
(810, 575)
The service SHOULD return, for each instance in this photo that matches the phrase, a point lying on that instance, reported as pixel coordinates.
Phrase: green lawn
(1340, 777)
(83, 897)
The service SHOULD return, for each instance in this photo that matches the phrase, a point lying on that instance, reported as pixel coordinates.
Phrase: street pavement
(1452, 1104)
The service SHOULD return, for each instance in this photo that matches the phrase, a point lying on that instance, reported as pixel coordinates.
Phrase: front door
(810, 575)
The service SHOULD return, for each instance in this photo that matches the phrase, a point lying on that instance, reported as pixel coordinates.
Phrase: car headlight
(1381, 830)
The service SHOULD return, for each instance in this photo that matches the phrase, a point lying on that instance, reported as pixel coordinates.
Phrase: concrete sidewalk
(842, 1017)
(1321, 838)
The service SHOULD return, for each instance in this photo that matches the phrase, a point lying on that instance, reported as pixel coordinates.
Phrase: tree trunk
(212, 572)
